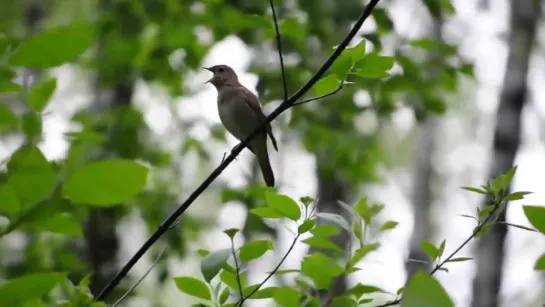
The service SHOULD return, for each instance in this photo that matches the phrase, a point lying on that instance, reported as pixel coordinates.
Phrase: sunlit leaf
(254, 249)
(193, 287)
(536, 216)
(43, 49)
(425, 291)
(106, 183)
(15, 292)
(284, 205)
(40, 94)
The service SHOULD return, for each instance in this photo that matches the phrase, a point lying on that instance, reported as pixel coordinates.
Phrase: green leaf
(361, 289)
(441, 249)
(335, 218)
(31, 125)
(306, 200)
(231, 232)
(213, 263)
(326, 85)
(520, 227)
(106, 183)
(321, 269)
(265, 293)
(325, 230)
(16, 291)
(266, 212)
(476, 190)
(430, 250)
(424, 291)
(224, 295)
(287, 297)
(540, 263)
(284, 205)
(367, 211)
(516, 195)
(360, 253)
(30, 175)
(468, 70)
(374, 66)
(44, 50)
(306, 226)
(322, 243)
(230, 279)
(460, 259)
(536, 216)
(40, 94)
(193, 287)
(8, 120)
(254, 249)
(388, 225)
(9, 203)
(63, 223)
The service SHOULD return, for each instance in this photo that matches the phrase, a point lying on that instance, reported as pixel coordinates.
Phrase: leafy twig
(279, 47)
(235, 152)
(271, 273)
(141, 278)
(338, 89)
(237, 268)
(442, 263)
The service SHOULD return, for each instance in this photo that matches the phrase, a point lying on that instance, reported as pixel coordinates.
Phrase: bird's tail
(265, 165)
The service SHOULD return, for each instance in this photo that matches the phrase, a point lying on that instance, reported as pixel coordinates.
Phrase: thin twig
(279, 47)
(271, 273)
(236, 267)
(320, 97)
(141, 278)
(216, 172)
(442, 263)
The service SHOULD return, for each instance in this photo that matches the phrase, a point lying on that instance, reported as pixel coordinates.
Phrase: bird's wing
(253, 102)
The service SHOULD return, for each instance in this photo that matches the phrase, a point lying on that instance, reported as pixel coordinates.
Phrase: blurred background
(463, 104)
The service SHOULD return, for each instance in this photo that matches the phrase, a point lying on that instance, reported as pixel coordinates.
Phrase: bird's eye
(220, 69)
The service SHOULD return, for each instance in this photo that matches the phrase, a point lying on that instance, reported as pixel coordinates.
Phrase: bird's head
(223, 75)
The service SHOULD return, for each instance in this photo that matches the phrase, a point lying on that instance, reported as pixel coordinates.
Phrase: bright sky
(481, 41)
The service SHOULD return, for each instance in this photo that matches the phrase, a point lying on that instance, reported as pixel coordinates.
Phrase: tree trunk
(524, 17)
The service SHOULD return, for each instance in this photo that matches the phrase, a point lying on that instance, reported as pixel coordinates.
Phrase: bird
(240, 113)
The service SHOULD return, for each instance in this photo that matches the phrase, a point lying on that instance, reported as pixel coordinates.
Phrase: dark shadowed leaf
(213, 263)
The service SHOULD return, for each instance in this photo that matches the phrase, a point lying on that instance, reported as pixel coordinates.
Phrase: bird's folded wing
(253, 102)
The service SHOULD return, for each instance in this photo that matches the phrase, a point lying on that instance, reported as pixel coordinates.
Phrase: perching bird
(240, 112)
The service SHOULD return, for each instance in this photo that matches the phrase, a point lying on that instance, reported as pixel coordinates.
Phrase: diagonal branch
(235, 152)
(279, 47)
(244, 298)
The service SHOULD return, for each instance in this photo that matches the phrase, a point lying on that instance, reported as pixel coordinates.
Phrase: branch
(235, 152)
(239, 304)
(279, 46)
(442, 263)
(237, 268)
(141, 278)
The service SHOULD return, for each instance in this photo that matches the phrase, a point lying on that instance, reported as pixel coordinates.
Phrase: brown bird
(240, 112)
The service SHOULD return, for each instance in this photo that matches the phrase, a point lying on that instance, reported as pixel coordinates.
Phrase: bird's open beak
(210, 70)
